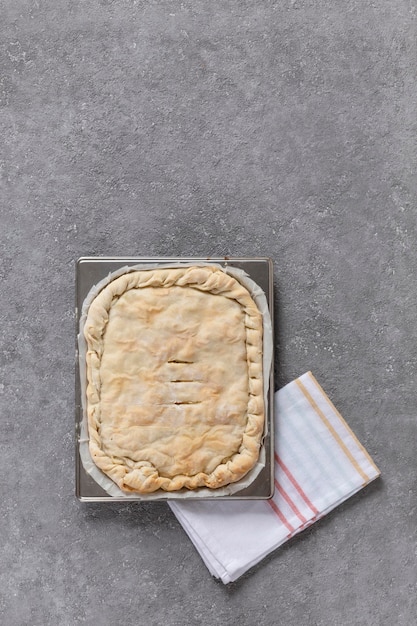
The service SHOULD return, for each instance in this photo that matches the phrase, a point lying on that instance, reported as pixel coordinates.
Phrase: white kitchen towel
(319, 463)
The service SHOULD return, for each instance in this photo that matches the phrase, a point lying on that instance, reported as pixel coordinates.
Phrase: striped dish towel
(319, 463)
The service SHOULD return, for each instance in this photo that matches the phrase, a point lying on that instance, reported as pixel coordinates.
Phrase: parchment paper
(203, 492)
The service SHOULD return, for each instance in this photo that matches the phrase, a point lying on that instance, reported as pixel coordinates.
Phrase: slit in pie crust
(174, 379)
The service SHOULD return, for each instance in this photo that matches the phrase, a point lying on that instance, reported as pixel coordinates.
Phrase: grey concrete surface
(285, 129)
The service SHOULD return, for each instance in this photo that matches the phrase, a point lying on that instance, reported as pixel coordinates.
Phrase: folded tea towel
(319, 463)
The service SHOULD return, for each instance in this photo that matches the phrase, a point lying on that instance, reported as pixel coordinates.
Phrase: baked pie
(174, 379)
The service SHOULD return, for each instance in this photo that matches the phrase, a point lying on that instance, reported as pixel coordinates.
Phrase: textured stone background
(285, 129)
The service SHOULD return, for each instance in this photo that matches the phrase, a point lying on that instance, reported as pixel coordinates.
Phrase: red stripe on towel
(280, 515)
(296, 485)
(290, 503)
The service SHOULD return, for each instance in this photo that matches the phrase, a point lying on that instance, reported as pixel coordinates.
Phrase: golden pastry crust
(174, 379)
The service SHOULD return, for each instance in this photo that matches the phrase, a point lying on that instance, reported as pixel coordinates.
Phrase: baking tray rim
(233, 261)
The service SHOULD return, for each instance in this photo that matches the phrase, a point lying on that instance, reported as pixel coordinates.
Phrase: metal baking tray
(89, 271)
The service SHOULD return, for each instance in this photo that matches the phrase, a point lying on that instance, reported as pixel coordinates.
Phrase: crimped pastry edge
(144, 478)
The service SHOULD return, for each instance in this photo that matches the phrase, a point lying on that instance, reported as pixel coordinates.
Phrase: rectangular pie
(174, 379)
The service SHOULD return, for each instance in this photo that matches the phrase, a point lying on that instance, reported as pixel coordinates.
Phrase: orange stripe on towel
(332, 406)
(333, 431)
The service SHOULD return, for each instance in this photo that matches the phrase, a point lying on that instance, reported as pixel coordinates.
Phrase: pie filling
(174, 379)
